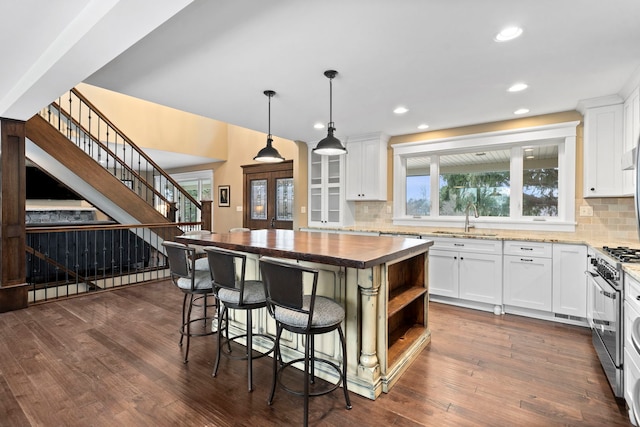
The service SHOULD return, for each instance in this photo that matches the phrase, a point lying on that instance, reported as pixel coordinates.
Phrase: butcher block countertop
(345, 250)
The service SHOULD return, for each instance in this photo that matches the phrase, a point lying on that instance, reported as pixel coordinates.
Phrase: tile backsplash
(613, 220)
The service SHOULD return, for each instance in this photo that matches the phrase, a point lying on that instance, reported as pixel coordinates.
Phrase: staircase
(75, 143)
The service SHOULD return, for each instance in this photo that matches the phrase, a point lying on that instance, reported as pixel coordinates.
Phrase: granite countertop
(568, 238)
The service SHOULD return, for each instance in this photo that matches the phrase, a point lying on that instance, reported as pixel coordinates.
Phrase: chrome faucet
(467, 226)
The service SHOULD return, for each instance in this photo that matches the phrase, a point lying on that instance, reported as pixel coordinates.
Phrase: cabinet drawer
(631, 288)
(530, 249)
(468, 245)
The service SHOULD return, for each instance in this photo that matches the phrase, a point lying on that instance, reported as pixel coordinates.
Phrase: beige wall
(154, 126)
(613, 220)
(151, 125)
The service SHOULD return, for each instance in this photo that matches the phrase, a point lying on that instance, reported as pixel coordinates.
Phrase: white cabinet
(603, 150)
(528, 275)
(466, 269)
(569, 280)
(367, 167)
(630, 135)
(327, 204)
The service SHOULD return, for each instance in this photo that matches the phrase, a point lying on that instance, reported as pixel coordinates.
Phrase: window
(198, 184)
(418, 188)
(481, 178)
(523, 178)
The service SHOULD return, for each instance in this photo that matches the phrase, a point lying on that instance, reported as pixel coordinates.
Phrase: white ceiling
(436, 57)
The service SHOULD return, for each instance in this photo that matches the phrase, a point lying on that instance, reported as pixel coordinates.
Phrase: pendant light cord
(269, 125)
(330, 102)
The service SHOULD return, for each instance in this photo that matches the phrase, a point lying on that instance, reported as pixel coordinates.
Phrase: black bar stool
(234, 292)
(309, 315)
(196, 286)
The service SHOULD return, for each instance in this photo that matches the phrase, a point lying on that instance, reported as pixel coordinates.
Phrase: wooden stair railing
(115, 152)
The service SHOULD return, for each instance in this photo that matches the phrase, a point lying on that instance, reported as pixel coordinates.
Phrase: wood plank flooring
(112, 359)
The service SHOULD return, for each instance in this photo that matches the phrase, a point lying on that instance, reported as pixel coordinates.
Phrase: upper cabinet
(630, 135)
(603, 151)
(327, 204)
(366, 176)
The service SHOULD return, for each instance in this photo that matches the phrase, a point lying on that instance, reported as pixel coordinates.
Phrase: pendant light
(269, 154)
(330, 146)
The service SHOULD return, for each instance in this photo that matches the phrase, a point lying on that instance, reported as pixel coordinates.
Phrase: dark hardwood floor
(112, 359)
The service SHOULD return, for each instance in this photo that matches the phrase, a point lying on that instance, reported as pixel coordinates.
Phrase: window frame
(562, 134)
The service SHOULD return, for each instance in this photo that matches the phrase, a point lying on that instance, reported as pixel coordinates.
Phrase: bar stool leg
(188, 321)
(344, 368)
(276, 358)
(221, 313)
(250, 349)
(184, 312)
(306, 380)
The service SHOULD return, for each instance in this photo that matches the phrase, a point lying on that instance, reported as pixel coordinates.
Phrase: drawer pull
(526, 260)
(526, 249)
(458, 244)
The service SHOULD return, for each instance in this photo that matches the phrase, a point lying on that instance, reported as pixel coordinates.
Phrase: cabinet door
(443, 273)
(354, 171)
(630, 136)
(327, 205)
(480, 278)
(527, 282)
(569, 280)
(367, 169)
(603, 147)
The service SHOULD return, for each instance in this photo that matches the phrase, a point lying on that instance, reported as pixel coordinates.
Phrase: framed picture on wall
(224, 195)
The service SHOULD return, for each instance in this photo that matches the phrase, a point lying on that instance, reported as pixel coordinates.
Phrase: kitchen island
(380, 281)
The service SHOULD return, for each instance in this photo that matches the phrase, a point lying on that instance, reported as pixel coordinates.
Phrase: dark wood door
(268, 196)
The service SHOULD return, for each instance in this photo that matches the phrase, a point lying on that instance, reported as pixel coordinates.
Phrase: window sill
(489, 223)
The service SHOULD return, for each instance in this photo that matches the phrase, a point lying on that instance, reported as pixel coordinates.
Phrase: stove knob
(594, 261)
(608, 275)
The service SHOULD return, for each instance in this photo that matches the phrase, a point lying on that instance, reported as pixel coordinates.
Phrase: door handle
(273, 222)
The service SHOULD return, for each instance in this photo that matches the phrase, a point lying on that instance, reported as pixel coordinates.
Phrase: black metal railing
(83, 124)
(67, 261)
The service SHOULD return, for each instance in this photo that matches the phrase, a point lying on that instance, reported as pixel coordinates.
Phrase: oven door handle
(602, 284)
(635, 335)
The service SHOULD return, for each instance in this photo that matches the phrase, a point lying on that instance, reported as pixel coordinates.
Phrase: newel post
(206, 214)
(13, 286)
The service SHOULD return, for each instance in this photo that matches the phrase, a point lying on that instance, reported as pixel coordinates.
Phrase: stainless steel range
(605, 305)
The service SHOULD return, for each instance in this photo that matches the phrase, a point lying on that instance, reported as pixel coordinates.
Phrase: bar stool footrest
(332, 387)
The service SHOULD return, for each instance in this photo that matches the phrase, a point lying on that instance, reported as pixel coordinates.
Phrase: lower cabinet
(456, 270)
(527, 282)
(569, 280)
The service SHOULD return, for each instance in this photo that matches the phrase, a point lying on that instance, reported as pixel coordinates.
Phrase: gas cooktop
(623, 253)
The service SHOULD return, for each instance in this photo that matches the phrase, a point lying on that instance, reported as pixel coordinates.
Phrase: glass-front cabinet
(327, 204)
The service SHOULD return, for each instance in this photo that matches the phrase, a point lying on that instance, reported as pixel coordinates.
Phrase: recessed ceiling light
(528, 149)
(518, 87)
(530, 157)
(521, 111)
(481, 154)
(318, 126)
(423, 126)
(400, 110)
(508, 33)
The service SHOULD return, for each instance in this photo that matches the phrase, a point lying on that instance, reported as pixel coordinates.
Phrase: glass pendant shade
(330, 146)
(269, 154)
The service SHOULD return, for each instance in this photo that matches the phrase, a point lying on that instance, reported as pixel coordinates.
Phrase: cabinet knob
(592, 189)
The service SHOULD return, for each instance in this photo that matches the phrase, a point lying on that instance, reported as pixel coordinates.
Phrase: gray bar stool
(234, 292)
(306, 314)
(196, 286)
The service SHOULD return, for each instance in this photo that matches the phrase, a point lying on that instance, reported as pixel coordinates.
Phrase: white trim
(489, 139)
(563, 134)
